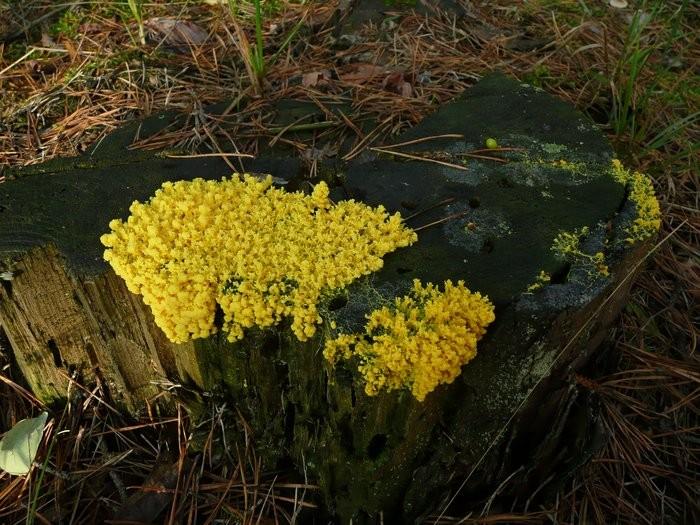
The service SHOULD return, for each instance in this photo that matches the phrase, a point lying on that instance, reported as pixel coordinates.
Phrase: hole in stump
(559, 277)
(270, 344)
(346, 438)
(289, 419)
(376, 446)
(337, 302)
(92, 355)
(7, 285)
(55, 352)
(488, 246)
(474, 202)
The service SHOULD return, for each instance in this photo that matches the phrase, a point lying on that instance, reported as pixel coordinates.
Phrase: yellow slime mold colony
(642, 193)
(261, 253)
(420, 341)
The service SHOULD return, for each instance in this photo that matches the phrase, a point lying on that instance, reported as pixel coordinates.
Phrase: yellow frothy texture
(420, 341)
(642, 193)
(261, 253)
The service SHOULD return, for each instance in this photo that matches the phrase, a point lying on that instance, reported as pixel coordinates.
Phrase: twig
(235, 102)
(441, 203)
(440, 221)
(290, 126)
(246, 155)
(27, 26)
(372, 134)
(424, 159)
(26, 55)
(351, 124)
(305, 127)
(423, 139)
(495, 150)
(475, 156)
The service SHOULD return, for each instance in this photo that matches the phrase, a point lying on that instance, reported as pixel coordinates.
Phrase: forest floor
(72, 72)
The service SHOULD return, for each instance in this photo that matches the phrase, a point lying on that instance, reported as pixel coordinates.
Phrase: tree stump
(545, 225)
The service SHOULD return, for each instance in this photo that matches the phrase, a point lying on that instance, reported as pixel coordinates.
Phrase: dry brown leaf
(175, 33)
(396, 82)
(362, 73)
(316, 78)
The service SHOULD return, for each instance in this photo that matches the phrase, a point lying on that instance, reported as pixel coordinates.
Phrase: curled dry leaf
(179, 34)
(396, 82)
(316, 78)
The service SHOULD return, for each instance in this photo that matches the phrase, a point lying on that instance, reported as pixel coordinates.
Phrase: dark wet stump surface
(515, 208)
(386, 453)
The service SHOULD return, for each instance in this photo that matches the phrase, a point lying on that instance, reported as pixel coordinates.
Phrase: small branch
(424, 159)
(423, 139)
(26, 55)
(305, 127)
(475, 156)
(441, 203)
(495, 150)
(195, 156)
(372, 134)
(440, 221)
(287, 128)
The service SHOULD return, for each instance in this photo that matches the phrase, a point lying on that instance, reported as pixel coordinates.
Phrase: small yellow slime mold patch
(567, 246)
(542, 280)
(420, 341)
(641, 190)
(259, 252)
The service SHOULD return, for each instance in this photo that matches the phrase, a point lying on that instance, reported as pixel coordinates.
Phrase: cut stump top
(507, 212)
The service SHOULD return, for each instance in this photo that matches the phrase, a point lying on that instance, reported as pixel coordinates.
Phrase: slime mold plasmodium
(542, 280)
(418, 342)
(646, 222)
(261, 253)
(567, 246)
(641, 193)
